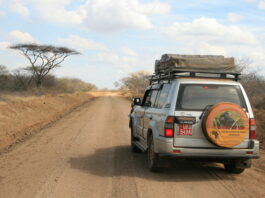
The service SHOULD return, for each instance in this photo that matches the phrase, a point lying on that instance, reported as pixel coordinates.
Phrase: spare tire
(226, 125)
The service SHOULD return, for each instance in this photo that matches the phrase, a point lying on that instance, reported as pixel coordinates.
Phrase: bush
(73, 85)
(135, 82)
(4, 77)
(254, 86)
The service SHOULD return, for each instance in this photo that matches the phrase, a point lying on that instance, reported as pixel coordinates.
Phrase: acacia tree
(43, 58)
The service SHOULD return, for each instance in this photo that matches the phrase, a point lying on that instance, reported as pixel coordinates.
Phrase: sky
(117, 37)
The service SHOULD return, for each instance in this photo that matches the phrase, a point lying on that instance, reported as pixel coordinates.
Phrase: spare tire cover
(226, 125)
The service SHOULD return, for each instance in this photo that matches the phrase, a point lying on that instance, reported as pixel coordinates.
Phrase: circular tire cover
(226, 125)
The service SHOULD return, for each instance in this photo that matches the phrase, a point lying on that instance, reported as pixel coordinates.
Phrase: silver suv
(168, 121)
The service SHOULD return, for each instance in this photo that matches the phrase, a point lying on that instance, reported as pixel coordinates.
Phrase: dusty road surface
(86, 154)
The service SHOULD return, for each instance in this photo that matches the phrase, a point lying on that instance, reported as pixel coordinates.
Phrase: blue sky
(117, 37)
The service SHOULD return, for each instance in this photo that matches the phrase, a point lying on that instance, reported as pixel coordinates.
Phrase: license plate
(185, 129)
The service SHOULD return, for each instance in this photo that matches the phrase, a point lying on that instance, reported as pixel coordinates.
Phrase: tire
(231, 168)
(152, 157)
(134, 148)
(223, 116)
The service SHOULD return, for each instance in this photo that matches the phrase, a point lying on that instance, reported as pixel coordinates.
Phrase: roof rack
(170, 75)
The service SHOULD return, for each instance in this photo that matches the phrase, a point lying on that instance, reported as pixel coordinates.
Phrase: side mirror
(136, 101)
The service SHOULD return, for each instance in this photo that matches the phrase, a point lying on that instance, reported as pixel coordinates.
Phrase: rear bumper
(164, 147)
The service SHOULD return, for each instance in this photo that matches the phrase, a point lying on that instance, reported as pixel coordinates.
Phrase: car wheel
(134, 148)
(152, 156)
(232, 168)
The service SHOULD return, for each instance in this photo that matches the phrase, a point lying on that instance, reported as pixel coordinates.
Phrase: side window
(153, 97)
(163, 96)
(147, 98)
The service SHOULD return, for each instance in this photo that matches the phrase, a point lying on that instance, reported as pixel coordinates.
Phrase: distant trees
(21, 80)
(42, 59)
(254, 86)
(253, 83)
(70, 85)
(136, 82)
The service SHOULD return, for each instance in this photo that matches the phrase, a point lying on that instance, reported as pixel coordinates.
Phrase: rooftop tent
(209, 63)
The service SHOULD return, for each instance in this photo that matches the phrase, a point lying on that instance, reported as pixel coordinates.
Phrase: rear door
(141, 111)
(150, 112)
(192, 101)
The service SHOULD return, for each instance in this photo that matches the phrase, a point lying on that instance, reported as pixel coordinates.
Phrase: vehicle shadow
(119, 161)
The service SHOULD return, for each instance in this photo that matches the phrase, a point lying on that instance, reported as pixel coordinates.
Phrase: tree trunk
(39, 82)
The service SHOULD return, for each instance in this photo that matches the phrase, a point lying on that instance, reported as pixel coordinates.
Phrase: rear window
(198, 96)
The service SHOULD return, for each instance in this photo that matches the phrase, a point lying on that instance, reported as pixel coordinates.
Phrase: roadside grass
(14, 96)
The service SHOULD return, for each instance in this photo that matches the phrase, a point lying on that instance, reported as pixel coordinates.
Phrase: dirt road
(86, 154)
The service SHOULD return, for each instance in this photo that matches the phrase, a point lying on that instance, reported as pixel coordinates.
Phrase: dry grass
(21, 117)
(14, 96)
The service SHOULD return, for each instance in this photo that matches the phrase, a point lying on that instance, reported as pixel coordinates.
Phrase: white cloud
(113, 15)
(97, 15)
(79, 43)
(17, 6)
(233, 17)
(55, 11)
(108, 57)
(125, 63)
(128, 52)
(22, 37)
(206, 48)
(251, 1)
(208, 36)
(4, 45)
(106, 15)
(151, 8)
(210, 31)
(261, 5)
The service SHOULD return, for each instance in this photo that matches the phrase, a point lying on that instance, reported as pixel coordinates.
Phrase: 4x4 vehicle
(195, 114)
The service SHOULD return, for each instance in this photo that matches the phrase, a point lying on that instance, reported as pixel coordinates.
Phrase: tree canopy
(43, 58)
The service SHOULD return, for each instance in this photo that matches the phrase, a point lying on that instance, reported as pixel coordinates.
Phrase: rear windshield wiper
(206, 108)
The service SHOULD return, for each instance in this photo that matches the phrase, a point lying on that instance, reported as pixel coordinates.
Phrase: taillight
(252, 129)
(177, 151)
(169, 126)
(169, 132)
